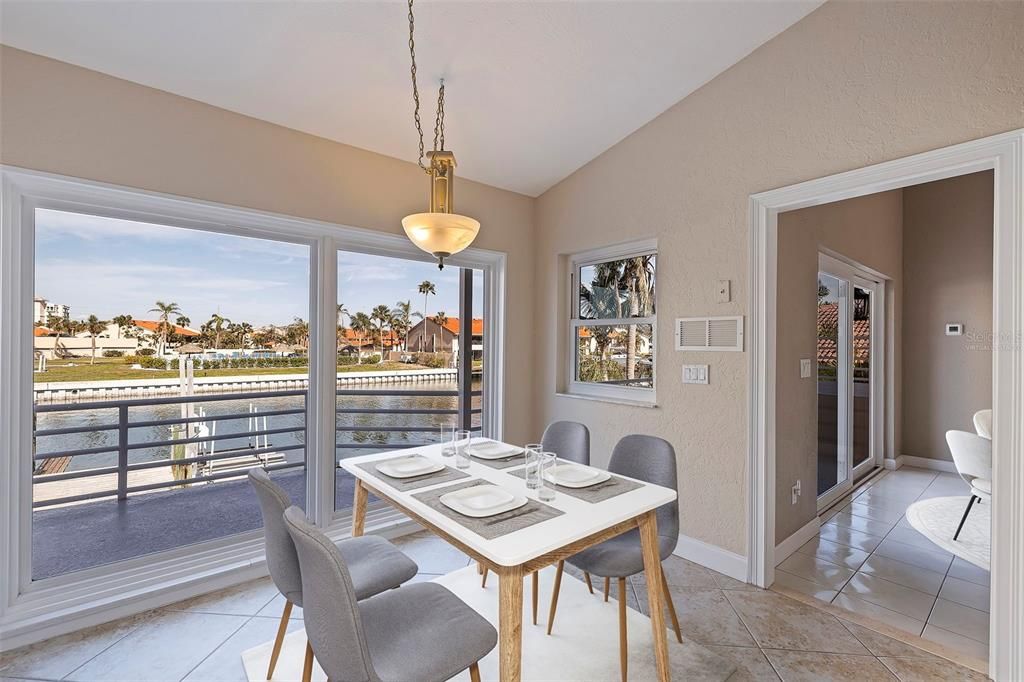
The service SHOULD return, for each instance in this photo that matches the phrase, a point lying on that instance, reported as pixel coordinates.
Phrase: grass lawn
(111, 369)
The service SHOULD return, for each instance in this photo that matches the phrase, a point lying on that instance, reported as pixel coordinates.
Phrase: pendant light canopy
(440, 232)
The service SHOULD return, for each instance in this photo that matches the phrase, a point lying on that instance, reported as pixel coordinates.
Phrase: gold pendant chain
(439, 122)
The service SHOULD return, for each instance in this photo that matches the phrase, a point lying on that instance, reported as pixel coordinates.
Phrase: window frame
(33, 610)
(593, 390)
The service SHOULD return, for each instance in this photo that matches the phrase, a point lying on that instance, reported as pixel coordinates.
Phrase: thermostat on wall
(954, 329)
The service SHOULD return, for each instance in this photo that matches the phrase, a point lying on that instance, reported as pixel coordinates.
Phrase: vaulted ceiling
(534, 89)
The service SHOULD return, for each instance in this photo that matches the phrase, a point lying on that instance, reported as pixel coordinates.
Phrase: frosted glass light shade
(441, 234)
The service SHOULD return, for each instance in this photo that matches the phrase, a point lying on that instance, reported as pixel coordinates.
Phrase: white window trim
(584, 389)
(30, 611)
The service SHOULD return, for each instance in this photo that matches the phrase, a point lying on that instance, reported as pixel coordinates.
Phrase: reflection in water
(373, 438)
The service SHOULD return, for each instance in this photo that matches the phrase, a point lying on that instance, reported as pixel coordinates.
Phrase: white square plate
(409, 467)
(482, 500)
(492, 449)
(574, 476)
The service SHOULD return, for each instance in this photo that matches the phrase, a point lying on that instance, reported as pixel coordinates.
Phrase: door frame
(857, 275)
(1004, 155)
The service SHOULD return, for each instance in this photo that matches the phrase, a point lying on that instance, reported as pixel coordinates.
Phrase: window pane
(399, 343)
(615, 355)
(617, 289)
(193, 329)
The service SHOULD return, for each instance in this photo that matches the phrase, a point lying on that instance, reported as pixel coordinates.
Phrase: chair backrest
(334, 626)
(569, 440)
(653, 460)
(282, 562)
(983, 423)
(972, 455)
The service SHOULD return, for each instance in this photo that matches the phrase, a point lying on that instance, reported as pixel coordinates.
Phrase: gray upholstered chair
(418, 632)
(649, 459)
(375, 564)
(570, 441)
(972, 456)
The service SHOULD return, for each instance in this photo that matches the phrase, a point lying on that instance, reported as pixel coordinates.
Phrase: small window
(613, 322)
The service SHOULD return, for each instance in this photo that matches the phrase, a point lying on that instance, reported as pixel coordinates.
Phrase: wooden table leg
(535, 590)
(358, 509)
(655, 599)
(510, 623)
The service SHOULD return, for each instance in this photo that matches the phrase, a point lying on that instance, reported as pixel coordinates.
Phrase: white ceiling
(534, 89)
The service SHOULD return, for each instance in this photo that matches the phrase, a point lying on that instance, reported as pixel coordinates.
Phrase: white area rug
(584, 645)
(937, 520)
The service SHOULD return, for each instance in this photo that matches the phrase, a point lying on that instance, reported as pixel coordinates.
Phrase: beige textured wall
(868, 231)
(947, 264)
(854, 83)
(64, 119)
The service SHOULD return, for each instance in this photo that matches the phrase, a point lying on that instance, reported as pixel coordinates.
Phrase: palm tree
(125, 325)
(94, 326)
(217, 323)
(440, 319)
(342, 312)
(602, 301)
(638, 280)
(298, 333)
(426, 288)
(60, 325)
(182, 321)
(401, 316)
(164, 327)
(382, 316)
(361, 324)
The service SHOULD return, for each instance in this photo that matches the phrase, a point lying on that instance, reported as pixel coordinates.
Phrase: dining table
(520, 542)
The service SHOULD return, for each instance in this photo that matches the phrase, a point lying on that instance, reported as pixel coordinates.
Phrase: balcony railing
(245, 458)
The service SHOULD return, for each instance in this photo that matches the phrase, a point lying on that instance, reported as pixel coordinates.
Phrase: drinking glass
(532, 471)
(460, 441)
(546, 491)
(447, 435)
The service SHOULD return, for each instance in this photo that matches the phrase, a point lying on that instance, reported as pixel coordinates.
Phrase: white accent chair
(983, 423)
(972, 455)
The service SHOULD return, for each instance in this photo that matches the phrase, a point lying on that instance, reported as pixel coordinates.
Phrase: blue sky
(109, 267)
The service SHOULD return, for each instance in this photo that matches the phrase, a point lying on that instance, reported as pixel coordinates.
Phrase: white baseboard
(796, 540)
(926, 463)
(892, 464)
(713, 557)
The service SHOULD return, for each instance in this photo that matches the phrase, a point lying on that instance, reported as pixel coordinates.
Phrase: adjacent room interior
(894, 353)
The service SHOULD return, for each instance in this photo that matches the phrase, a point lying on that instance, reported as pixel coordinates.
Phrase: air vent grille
(709, 333)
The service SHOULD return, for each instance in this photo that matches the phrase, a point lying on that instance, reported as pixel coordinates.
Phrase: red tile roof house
(428, 336)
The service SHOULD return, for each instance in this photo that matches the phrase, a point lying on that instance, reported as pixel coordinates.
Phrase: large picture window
(154, 350)
(613, 323)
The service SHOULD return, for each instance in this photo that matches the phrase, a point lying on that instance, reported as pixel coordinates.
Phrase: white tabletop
(580, 519)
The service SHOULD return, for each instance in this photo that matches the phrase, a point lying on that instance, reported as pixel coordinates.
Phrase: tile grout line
(222, 643)
(104, 649)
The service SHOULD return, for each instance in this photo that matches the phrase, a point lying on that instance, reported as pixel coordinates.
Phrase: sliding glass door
(850, 319)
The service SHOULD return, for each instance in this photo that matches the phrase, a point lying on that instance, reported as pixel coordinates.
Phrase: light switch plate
(805, 368)
(724, 291)
(695, 374)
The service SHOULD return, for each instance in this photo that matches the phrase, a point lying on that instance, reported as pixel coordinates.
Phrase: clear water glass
(532, 471)
(447, 436)
(546, 491)
(460, 441)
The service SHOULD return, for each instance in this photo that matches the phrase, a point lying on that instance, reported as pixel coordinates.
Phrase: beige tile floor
(869, 560)
(768, 635)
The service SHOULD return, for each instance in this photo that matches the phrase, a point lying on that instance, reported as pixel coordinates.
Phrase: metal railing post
(465, 349)
(122, 452)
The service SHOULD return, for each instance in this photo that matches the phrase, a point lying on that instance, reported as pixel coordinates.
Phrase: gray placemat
(595, 493)
(490, 527)
(448, 474)
(503, 463)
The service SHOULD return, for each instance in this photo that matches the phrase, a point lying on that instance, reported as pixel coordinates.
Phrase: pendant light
(440, 231)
